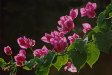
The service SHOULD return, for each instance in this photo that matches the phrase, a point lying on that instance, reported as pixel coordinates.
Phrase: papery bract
(57, 34)
(89, 10)
(54, 34)
(86, 27)
(40, 52)
(8, 50)
(57, 39)
(25, 43)
(23, 52)
(73, 38)
(46, 38)
(59, 44)
(73, 13)
(70, 67)
(45, 50)
(20, 58)
(66, 24)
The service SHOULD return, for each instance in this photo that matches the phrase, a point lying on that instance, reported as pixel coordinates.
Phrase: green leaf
(44, 64)
(39, 60)
(49, 58)
(78, 54)
(96, 29)
(71, 47)
(77, 45)
(29, 64)
(110, 14)
(78, 59)
(42, 70)
(61, 60)
(1, 60)
(26, 68)
(104, 41)
(2, 63)
(93, 53)
(108, 8)
(103, 15)
(104, 27)
(101, 18)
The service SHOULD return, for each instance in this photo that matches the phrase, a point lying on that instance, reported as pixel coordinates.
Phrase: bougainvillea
(69, 49)
(88, 10)
(20, 58)
(25, 43)
(8, 50)
(40, 52)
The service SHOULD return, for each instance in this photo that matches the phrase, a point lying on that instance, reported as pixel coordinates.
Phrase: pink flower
(45, 50)
(20, 58)
(73, 13)
(25, 42)
(73, 38)
(46, 38)
(40, 52)
(23, 52)
(8, 50)
(20, 64)
(89, 10)
(70, 67)
(66, 24)
(54, 34)
(83, 12)
(56, 39)
(59, 44)
(86, 27)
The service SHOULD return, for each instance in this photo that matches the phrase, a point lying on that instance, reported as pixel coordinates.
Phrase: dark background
(33, 18)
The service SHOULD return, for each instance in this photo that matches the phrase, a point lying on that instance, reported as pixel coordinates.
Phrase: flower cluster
(89, 10)
(40, 52)
(66, 24)
(25, 43)
(56, 38)
(20, 58)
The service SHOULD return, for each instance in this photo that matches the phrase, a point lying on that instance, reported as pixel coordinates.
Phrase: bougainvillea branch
(69, 49)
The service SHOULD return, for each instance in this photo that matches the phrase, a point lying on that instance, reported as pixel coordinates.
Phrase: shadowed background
(32, 18)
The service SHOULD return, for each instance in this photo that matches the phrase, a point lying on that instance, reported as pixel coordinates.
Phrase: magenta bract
(25, 43)
(8, 50)
(66, 24)
(86, 27)
(70, 67)
(20, 58)
(73, 13)
(40, 52)
(73, 38)
(89, 10)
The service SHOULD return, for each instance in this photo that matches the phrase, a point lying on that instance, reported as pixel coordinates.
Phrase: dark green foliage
(78, 54)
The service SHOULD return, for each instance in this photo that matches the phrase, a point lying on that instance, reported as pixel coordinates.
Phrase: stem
(109, 17)
(84, 36)
(53, 58)
(11, 59)
(31, 49)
